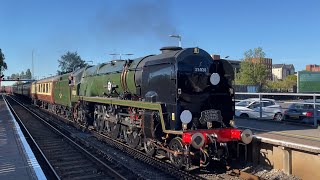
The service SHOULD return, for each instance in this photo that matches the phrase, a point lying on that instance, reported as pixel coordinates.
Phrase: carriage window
(47, 88)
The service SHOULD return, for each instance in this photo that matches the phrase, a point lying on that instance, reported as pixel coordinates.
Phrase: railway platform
(17, 160)
(302, 136)
(293, 148)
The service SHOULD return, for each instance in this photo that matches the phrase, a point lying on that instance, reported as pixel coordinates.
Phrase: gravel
(269, 173)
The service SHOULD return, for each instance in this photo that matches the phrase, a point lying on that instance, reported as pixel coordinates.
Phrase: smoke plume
(136, 20)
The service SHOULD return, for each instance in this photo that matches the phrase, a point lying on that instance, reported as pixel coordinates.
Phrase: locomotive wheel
(176, 146)
(133, 139)
(98, 123)
(78, 113)
(113, 129)
(81, 116)
(149, 147)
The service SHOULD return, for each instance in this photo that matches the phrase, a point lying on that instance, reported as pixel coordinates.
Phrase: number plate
(295, 116)
(210, 115)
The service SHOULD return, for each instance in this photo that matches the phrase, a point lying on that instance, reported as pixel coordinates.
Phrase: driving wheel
(176, 157)
(113, 129)
(149, 147)
(133, 138)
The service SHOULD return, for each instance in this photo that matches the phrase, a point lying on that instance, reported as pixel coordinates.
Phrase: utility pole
(32, 68)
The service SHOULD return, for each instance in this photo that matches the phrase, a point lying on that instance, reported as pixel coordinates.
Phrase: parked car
(304, 113)
(250, 108)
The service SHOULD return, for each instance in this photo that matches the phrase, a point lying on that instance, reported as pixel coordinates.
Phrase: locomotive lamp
(215, 78)
(186, 117)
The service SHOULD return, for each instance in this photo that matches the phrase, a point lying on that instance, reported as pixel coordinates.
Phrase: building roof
(288, 66)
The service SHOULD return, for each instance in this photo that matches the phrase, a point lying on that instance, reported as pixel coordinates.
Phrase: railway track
(166, 168)
(66, 158)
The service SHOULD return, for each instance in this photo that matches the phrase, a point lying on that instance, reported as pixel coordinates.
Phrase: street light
(235, 71)
(117, 54)
(176, 36)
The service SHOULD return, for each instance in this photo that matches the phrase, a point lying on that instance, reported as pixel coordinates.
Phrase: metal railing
(297, 97)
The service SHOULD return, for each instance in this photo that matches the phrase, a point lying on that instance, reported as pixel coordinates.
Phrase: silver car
(250, 108)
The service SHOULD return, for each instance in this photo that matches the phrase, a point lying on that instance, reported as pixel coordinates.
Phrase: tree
(22, 75)
(3, 64)
(290, 81)
(252, 71)
(70, 61)
(288, 84)
(28, 74)
(15, 76)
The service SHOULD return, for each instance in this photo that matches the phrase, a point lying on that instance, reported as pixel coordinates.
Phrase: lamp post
(235, 71)
(117, 54)
(176, 36)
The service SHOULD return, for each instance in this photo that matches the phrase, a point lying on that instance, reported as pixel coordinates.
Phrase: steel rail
(172, 170)
(147, 159)
(70, 140)
(32, 139)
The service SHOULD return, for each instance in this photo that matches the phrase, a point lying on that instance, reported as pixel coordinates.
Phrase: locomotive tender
(178, 103)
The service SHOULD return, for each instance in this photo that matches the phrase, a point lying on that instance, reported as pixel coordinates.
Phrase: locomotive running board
(136, 104)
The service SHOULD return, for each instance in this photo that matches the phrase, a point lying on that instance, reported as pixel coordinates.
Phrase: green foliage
(290, 81)
(22, 75)
(252, 72)
(28, 74)
(70, 61)
(3, 64)
(15, 76)
(285, 85)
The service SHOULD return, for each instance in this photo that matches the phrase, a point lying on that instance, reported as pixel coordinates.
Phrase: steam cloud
(137, 20)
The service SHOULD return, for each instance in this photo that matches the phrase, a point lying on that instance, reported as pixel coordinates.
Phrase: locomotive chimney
(215, 57)
(170, 49)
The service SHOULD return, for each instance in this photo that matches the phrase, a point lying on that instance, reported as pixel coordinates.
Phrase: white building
(281, 71)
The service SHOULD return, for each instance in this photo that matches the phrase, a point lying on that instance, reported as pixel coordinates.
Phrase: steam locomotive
(178, 103)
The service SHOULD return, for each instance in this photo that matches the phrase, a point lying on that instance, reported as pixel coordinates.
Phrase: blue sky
(287, 30)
